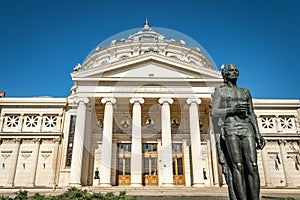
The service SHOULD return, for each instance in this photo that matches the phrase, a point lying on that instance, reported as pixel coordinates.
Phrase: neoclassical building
(139, 114)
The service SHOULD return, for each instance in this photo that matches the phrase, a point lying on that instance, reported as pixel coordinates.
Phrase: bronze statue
(237, 136)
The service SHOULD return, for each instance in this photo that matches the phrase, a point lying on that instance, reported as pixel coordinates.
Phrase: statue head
(230, 72)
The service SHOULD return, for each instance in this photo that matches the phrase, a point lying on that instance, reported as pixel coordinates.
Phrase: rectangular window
(70, 140)
(149, 148)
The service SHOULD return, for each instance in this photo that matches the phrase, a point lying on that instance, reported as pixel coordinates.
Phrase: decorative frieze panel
(51, 123)
(286, 124)
(31, 123)
(277, 124)
(12, 123)
(267, 123)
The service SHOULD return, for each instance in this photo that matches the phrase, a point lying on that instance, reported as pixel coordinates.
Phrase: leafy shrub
(5, 198)
(71, 194)
(21, 195)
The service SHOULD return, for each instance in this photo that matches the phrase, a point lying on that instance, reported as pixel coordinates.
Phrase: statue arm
(217, 110)
(259, 139)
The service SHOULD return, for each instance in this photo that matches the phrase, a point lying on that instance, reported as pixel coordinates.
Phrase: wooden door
(178, 165)
(124, 164)
(150, 175)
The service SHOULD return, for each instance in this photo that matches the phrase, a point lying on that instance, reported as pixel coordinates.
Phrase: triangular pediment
(149, 66)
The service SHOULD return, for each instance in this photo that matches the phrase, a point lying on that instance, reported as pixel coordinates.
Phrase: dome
(155, 39)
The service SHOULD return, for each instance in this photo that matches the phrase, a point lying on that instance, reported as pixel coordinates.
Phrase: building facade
(139, 114)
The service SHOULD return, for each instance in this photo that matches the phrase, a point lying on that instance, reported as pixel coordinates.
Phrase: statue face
(231, 72)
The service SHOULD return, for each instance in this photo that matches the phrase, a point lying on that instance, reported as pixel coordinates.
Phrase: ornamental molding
(108, 99)
(193, 100)
(26, 154)
(152, 57)
(138, 100)
(11, 140)
(84, 100)
(46, 154)
(6, 153)
(165, 100)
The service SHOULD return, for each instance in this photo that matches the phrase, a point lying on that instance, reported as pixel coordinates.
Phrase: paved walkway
(159, 193)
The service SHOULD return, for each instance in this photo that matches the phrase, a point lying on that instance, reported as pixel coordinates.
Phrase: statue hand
(243, 108)
(260, 141)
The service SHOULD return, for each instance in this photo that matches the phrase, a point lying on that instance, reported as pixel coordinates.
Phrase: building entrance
(150, 175)
(124, 162)
(178, 175)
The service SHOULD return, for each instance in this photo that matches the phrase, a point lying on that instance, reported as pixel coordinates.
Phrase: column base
(136, 185)
(77, 185)
(290, 185)
(105, 185)
(96, 182)
(168, 185)
(198, 185)
(269, 185)
(8, 185)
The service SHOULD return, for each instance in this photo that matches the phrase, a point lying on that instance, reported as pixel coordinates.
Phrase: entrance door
(178, 175)
(150, 175)
(124, 157)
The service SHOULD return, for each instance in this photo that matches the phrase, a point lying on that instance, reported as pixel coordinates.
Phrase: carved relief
(46, 154)
(26, 154)
(12, 121)
(5, 154)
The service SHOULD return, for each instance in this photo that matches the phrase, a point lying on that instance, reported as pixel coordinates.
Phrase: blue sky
(41, 41)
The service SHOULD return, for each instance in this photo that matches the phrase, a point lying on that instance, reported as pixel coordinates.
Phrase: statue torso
(231, 97)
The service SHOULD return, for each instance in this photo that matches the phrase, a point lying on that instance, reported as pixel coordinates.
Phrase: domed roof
(153, 37)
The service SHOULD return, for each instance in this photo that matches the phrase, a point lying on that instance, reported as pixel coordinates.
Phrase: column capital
(17, 140)
(85, 100)
(193, 100)
(137, 99)
(56, 140)
(37, 140)
(108, 99)
(282, 141)
(165, 100)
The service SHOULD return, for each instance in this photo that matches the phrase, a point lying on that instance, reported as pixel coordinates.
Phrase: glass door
(178, 167)
(150, 175)
(124, 162)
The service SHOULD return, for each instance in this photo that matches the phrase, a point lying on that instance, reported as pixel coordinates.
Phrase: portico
(149, 141)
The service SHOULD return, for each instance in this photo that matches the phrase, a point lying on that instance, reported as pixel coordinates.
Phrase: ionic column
(1, 121)
(187, 167)
(167, 179)
(86, 147)
(136, 143)
(288, 178)
(54, 162)
(14, 161)
(264, 155)
(198, 179)
(159, 162)
(106, 156)
(35, 155)
(77, 154)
